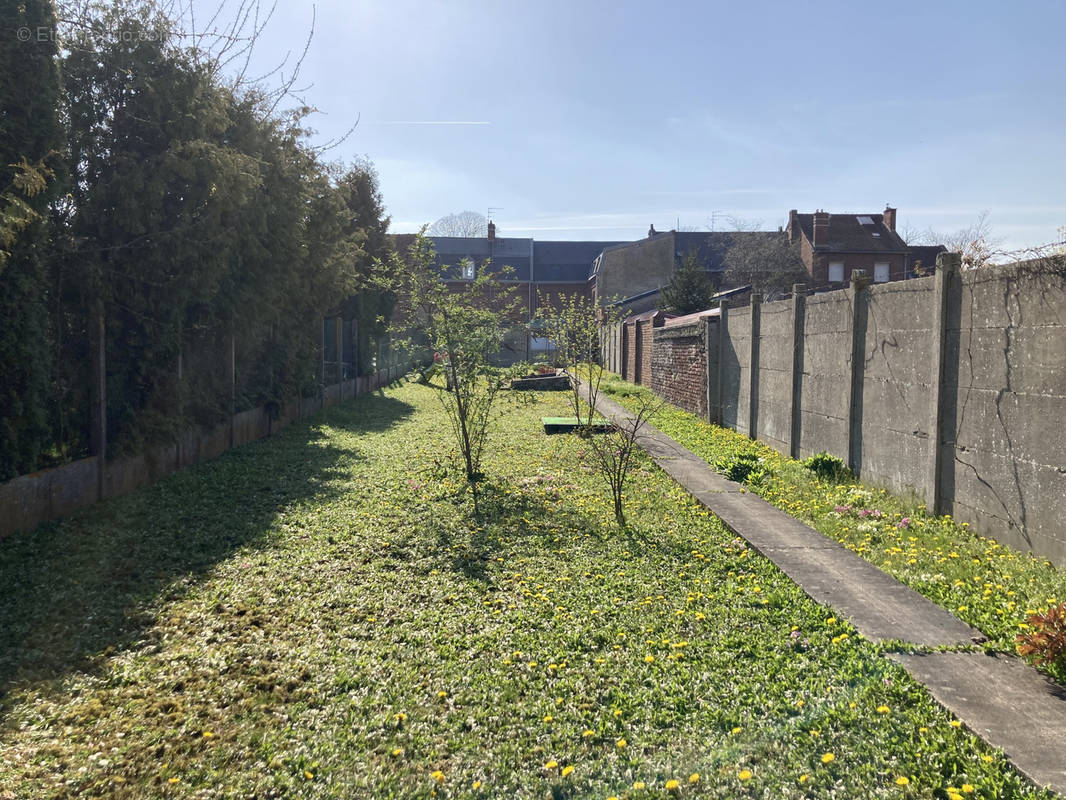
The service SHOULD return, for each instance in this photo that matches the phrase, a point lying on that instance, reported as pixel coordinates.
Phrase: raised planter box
(542, 383)
(569, 424)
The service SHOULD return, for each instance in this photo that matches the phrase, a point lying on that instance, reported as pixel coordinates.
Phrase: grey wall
(1005, 402)
(951, 388)
(823, 405)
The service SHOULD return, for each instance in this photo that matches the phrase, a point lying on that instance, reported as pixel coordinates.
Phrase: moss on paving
(318, 615)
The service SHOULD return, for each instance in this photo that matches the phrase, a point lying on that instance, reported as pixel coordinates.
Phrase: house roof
(502, 253)
(850, 233)
(565, 262)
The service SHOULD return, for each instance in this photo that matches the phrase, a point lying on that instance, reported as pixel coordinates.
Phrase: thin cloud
(431, 122)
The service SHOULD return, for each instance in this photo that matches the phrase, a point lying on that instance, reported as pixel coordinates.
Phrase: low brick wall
(679, 366)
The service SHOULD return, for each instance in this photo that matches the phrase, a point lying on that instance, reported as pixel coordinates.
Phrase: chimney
(821, 228)
(492, 231)
(889, 218)
(651, 231)
(792, 231)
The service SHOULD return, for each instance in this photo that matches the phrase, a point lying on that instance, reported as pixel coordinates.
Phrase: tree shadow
(92, 584)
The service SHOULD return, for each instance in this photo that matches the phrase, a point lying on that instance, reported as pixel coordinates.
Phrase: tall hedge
(194, 214)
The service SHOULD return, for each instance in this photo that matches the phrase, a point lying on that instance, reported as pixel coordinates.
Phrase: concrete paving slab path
(1004, 701)
(879, 606)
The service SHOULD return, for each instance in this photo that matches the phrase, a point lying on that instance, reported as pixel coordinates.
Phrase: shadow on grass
(513, 514)
(89, 585)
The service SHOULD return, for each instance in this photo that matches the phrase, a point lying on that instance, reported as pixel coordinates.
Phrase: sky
(594, 120)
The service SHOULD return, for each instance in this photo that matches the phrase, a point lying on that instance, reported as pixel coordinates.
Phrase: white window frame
(468, 269)
(830, 271)
(882, 272)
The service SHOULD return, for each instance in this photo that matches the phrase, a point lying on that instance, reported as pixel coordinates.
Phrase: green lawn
(318, 615)
(990, 586)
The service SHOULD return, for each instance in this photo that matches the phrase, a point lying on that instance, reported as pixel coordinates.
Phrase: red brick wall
(630, 351)
(679, 366)
(646, 341)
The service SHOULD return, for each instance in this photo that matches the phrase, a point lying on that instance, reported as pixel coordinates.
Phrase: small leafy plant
(742, 467)
(1044, 643)
(829, 468)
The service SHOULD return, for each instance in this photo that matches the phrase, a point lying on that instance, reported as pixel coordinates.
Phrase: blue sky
(599, 118)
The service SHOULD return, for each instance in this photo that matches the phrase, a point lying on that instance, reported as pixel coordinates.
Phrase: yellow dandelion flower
(173, 780)
(547, 717)
(621, 743)
(638, 785)
(618, 712)
(208, 735)
(828, 758)
(744, 774)
(804, 778)
(736, 730)
(988, 759)
(672, 785)
(694, 777)
(551, 765)
(567, 770)
(308, 774)
(476, 784)
(967, 788)
(883, 709)
(397, 751)
(955, 723)
(587, 734)
(438, 776)
(902, 780)
(649, 658)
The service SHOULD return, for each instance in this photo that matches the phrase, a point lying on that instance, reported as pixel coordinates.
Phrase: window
(468, 269)
(881, 272)
(836, 271)
(864, 220)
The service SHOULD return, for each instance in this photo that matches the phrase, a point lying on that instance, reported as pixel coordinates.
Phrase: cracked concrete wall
(1005, 393)
(823, 416)
(896, 399)
(737, 372)
(774, 422)
(1002, 393)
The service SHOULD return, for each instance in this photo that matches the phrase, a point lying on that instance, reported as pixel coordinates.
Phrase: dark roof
(565, 262)
(634, 298)
(501, 253)
(848, 235)
(924, 253)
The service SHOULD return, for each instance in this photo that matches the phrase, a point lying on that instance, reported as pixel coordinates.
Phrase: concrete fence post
(723, 344)
(753, 367)
(799, 310)
(856, 348)
(98, 396)
(947, 270)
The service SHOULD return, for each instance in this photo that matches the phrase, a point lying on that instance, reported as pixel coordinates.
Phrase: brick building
(832, 246)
